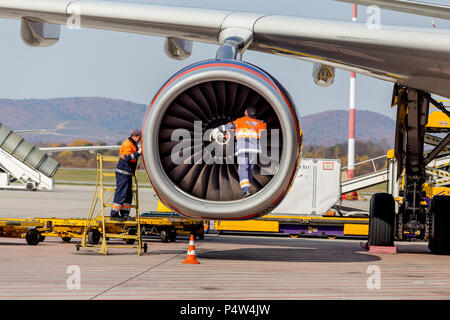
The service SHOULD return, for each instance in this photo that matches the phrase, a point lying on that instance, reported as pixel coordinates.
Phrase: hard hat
(251, 111)
(136, 132)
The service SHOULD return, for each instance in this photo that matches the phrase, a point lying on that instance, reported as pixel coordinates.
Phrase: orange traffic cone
(190, 258)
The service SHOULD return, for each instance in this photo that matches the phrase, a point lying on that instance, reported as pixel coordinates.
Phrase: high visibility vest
(126, 149)
(247, 127)
(127, 157)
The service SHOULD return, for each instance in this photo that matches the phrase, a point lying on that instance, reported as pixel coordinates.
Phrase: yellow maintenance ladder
(95, 227)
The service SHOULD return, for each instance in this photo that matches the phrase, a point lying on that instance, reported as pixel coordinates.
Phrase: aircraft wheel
(94, 236)
(382, 220)
(131, 241)
(173, 235)
(200, 234)
(33, 237)
(439, 242)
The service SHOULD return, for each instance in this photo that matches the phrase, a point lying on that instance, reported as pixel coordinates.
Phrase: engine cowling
(199, 178)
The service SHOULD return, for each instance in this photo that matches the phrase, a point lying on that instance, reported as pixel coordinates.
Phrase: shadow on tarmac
(289, 255)
(13, 243)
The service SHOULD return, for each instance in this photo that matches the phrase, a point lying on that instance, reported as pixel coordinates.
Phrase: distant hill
(331, 127)
(110, 120)
(67, 119)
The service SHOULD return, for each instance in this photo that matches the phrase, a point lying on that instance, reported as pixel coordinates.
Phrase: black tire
(94, 236)
(439, 242)
(66, 239)
(164, 234)
(33, 237)
(41, 237)
(172, 235)
(30, 186)
(131, 241)
(200, 234)
(382, 220)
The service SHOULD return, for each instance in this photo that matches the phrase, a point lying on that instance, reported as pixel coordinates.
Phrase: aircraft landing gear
(413, 220)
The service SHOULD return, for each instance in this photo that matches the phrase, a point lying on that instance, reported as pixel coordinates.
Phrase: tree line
(364, 150)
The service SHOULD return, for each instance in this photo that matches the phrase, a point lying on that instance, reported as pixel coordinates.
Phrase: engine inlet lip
(210, 208)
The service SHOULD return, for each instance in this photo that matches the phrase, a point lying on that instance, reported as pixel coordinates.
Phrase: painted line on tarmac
(140, 274)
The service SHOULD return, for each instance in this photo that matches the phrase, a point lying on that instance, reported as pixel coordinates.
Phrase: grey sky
(132, 67)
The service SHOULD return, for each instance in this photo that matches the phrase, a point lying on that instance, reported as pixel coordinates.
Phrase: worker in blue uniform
(123, 196)
(247, 134)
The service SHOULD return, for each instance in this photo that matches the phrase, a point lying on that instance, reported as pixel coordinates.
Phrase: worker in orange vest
(123, 196)
(247, 133)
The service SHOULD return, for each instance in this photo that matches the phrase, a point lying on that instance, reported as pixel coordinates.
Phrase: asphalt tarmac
(231, 266)
(65, 201)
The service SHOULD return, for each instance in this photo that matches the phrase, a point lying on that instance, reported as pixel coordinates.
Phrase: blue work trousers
(123, 195)
(246, 168)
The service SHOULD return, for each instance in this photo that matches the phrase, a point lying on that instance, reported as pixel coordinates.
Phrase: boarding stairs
(437, 172)
(23, 165)
(364, 181)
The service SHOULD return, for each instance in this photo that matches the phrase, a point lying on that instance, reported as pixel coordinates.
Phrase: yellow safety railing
(98, 227)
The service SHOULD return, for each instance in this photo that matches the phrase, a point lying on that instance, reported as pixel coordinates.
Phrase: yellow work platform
(68, 228)
(34, 230)
(295, 226)
(167, 227)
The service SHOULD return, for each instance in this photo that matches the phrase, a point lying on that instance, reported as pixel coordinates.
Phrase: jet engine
(199, 178)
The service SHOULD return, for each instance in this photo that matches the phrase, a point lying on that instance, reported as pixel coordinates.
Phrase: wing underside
(415, 57)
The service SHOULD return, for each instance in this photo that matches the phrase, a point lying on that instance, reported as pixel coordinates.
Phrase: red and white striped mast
(351, 119)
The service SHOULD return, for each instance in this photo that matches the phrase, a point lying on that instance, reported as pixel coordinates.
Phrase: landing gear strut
(412, 117)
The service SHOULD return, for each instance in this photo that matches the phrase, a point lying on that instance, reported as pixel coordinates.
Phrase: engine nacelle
(323, 75)
(199, 178)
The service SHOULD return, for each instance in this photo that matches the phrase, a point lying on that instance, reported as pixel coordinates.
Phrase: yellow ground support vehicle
(168, 225)
(98, 228)
(295, 226)
(68, 228)
(22, 228)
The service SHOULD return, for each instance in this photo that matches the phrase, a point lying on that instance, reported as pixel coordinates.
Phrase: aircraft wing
(80, 148)
(30, 131)
(418, 58)
(414, 7)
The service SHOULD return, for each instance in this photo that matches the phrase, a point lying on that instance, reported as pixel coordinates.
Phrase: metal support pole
(351, 119)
